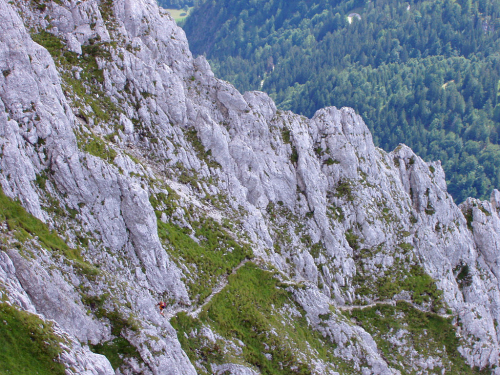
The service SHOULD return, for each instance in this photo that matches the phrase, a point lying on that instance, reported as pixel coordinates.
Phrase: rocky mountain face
(281, 244)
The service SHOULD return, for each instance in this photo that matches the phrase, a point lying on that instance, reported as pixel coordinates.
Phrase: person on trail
(162, 305)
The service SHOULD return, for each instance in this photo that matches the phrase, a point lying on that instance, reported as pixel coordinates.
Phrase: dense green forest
(424, 73)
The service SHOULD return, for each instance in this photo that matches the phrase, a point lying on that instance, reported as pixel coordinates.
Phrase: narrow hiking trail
(361, 307)
(169, 314)
(391, 303)
(217, 289)
(194, 313)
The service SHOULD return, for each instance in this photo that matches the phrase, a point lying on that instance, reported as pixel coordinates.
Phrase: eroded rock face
(119, 114)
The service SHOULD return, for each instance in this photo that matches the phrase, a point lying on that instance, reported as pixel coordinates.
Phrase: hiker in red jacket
(162, 305)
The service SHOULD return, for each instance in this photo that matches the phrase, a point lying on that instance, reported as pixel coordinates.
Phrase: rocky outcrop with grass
(281, 244)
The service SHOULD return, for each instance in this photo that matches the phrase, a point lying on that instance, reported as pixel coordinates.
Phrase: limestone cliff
(281, 244)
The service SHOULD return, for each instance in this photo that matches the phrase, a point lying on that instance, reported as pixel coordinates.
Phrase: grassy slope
(27, 344)
(255, 308)
(216, 253)
(24, 226)
(427, 333)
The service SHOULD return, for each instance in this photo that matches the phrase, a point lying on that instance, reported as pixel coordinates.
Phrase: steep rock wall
(119, 113)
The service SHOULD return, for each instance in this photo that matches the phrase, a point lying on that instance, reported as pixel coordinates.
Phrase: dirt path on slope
(169, 314)
(194, 313)
(392, 303)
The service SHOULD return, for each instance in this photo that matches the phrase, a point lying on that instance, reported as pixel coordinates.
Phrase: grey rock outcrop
(119, 113)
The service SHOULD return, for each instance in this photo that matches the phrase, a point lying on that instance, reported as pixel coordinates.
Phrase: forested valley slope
(423, 73)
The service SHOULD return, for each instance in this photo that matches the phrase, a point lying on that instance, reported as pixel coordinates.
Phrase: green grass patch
(400, 277)
(97, 147)
(167, 203)
(330, 161)
(116, 351)
(52, 43)
(247, 310)
(119, 348)
(89, 87)
(26, 226)
(196, 346)
(88, 60)
(106, 8)
(462, 275)
(206, 156)
(216, 254)
(317, 249)
(335, 213)
(117, 320)
(179, 14)
(28, 345)
(469, 217)
(294, 157)
(422, 287)
(419, 284)
(352, 239)
(64, 58)
(428, 333)
(103, 109)
(429, 210)
(345, 189)
(286, 135)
